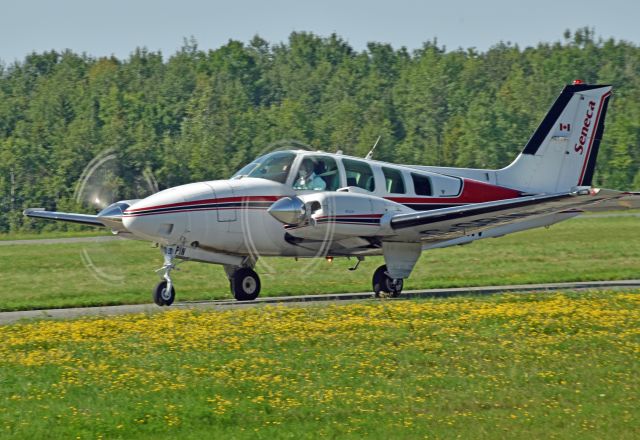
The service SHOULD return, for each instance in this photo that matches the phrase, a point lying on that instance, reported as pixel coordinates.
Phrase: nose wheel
(384, 286)
(164, 293)
(245, 284)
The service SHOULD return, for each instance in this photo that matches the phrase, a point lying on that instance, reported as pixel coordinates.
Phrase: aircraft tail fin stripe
(586, 177)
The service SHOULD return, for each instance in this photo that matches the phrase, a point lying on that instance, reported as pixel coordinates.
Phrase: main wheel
(245, 284)
(162, 296)
(384, 285)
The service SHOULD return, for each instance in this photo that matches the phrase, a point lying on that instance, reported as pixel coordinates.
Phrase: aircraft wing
(84, 219)
(110, 217)
(448, 223)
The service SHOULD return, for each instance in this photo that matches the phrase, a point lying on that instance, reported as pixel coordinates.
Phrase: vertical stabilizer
(562, 152)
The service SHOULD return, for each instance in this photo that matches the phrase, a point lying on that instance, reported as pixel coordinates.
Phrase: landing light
(330, 259)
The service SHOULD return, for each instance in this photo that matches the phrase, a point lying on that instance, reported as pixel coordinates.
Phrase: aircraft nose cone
(136, 223)
(289, 210)
(140, 220)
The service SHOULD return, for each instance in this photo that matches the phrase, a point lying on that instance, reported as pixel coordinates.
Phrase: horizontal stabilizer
(627, 200)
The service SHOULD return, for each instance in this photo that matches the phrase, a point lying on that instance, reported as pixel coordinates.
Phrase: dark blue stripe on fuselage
(265, 205)
(207, 206)
(350, 220)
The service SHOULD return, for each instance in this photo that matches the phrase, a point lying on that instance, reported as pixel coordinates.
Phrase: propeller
(102, 184)
(102, 187)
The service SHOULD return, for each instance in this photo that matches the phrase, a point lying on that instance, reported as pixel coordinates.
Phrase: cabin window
(393, 181)
(317, 173)
(421, 185)
(359, 174)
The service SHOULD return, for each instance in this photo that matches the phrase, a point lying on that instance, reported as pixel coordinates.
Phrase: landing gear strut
(164, 292)
(245, 284)
(384, 286)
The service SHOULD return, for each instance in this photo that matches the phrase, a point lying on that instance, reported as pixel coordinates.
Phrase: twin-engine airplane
(314, 204)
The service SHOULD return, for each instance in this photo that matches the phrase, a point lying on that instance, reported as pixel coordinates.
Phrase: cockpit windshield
(273, 166)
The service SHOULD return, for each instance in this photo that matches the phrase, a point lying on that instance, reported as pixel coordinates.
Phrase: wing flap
(449, 223)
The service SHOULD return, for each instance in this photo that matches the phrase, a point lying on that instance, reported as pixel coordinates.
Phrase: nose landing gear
(164, 293)
(384, 286)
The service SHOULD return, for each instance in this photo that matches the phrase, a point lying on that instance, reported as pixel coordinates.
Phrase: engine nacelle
(336, 215)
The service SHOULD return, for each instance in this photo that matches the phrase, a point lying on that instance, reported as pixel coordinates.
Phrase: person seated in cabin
(308, 179)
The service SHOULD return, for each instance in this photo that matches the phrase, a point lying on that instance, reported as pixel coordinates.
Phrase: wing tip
(31, 210)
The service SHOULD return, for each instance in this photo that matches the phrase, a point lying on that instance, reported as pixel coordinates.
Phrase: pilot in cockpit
(308, 179)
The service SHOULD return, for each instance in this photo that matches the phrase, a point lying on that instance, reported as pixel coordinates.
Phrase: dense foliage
(199, 115)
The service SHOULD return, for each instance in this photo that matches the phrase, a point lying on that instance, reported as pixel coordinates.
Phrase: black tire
(245, 284)
(384, 285)
(160, 295)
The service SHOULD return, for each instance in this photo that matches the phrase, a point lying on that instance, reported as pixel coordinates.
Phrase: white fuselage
(229, 217)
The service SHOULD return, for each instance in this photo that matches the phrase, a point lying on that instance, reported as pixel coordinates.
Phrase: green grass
(561, 366)
(42, 276)
(52, 234)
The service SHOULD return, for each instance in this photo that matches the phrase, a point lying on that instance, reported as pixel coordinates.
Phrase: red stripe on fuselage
(140, 214)
(473, 191)
(203, 201)
(351, 216)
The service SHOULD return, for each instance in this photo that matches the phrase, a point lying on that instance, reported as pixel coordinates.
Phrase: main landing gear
(384, 286)
(245, 284)
(243, 280)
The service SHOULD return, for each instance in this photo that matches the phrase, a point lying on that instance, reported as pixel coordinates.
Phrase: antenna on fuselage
(370, 153)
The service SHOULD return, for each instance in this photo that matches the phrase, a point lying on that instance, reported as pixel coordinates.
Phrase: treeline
(200, 115)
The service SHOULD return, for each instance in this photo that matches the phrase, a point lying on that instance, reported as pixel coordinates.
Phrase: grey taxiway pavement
(10, 317)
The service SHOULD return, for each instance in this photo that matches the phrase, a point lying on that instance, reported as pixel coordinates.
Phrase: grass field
(53, 234)
(559, 366)
(40, 276)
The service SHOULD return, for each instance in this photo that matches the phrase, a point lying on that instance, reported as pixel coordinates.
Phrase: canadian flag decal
(565, 127)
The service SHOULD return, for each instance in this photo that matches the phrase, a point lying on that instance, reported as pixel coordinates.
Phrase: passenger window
(318, 173)
(393, 180)
(422, 185)
(359, 174)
